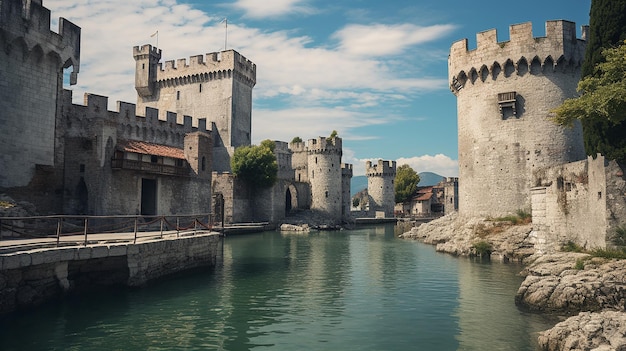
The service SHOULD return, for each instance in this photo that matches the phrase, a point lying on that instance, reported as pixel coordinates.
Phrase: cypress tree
(607, 28)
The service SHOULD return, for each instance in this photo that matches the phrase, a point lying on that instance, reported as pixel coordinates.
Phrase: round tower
(505, 91)
(346, 199)
(324, 164)
(380, 188)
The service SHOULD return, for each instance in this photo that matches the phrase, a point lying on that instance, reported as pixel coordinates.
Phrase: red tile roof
(142, 147)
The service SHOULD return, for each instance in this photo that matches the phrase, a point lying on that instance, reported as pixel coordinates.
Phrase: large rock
(604, 331)
(556, 283)
(457, 235)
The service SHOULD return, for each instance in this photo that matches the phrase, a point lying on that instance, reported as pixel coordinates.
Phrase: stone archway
(291, 199)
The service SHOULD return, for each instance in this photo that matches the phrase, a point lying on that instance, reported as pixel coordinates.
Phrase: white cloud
(381, 39)
(319, 88)
(273, 8)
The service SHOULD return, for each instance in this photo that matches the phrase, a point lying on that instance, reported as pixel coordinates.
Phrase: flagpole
(157, 38)
(225, 21)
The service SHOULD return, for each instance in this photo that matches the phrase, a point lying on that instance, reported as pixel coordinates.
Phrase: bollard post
(85, 231)
(135, 241)
(58, 231)
(162, 218)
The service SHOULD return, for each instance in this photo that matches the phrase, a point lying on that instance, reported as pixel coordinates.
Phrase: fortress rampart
(505, 92)
(130, 125)
(200, 68)
(558, 50)
(325, 176)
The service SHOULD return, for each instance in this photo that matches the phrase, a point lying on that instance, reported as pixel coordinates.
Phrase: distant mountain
(359, 183)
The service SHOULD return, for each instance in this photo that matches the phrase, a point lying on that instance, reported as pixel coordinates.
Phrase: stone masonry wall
(31, 72)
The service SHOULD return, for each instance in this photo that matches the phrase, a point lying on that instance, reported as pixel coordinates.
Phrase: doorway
(148, 197)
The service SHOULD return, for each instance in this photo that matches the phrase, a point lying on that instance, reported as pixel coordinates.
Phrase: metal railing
(149, 167)
(56, 229)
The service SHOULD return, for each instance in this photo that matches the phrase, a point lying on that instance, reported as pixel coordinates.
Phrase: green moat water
(358, 289)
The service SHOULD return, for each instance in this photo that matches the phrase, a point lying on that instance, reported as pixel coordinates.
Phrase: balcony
(150, 167)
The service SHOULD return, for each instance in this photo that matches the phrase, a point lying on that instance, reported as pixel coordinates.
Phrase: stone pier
(28, 278)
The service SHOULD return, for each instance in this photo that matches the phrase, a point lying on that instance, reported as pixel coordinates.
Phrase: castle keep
(505, 91)
(216, 86)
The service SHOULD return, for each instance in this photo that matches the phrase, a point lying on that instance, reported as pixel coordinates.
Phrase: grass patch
(520, 217)
(580, 264)
(571, 246)
(619, 254)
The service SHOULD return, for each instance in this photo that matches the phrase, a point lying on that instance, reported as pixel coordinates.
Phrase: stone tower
(505, 91)
(325, 176)
(380, 186)
(32, 61)
(217, 86)
(346, 179)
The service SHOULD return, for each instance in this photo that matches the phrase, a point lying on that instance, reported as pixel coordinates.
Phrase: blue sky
(375, 71)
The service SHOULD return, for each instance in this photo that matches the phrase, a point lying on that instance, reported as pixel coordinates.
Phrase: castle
(168, 154)
(512, 156)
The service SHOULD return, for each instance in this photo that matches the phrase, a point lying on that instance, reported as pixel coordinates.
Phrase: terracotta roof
(423, 197)
(142, 147)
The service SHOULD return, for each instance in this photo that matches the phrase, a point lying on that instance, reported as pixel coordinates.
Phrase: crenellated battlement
(146, 51)
(26, 26)
(323, 145)
(129, 124)
(201, 68)
(346, 170)
(558, 51)
(380, 169)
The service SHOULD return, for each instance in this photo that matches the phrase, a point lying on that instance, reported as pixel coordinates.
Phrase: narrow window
(200, 87)
(203, 163)
(82, 168)
(143, 66)
(327, 194)
(178, 95)
(599, 195)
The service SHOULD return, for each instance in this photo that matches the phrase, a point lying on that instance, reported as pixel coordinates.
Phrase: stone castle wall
(582, 202)
(505, 91)
(31, 67)
(91, 135)
(380, 187)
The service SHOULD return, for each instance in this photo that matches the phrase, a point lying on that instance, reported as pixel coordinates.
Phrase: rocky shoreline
(589, 292)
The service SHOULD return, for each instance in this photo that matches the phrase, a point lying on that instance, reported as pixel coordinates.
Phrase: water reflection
(361, 289)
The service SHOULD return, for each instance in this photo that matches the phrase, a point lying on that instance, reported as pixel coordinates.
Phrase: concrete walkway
(8, 245)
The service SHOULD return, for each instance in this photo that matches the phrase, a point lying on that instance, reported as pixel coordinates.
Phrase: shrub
(482, 248)
(580, 264)
(609, 253)
(619, 236)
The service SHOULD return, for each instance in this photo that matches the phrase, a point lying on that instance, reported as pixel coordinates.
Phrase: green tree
(332, 136)
(607, 28)
(602, 104)
(256, 165)
(405, 183)
(296, 140)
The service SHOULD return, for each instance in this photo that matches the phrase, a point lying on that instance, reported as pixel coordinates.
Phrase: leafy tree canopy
(256, 165)
(296, 140)
(405, 183)
(603, 93)
(332, 136)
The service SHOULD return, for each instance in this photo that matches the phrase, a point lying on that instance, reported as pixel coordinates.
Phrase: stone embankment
(590, 290)
(29, 278)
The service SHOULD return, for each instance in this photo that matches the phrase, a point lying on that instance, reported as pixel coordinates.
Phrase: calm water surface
(358, 289)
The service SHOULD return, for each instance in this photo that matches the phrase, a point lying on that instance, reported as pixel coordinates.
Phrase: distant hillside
(359, 183)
